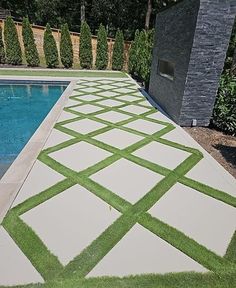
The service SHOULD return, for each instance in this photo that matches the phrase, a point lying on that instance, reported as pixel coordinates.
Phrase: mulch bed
(221, 146)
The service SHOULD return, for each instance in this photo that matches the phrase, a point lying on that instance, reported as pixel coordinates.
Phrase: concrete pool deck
(117, 189)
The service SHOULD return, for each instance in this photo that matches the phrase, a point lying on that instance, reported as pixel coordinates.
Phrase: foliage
(85, 47)
(141, 55)
(31, 53)
(118, 51)
(146, 57)
(131, 13)
(66, 48)
(102, 49)
(230, 61)
(50, 48)
(13, 50)
(133, 54)
(224, 114)
(2, 49)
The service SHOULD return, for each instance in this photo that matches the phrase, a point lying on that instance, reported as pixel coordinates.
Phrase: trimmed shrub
(2, 49)
(102, 49)
(13, 50)
(31, 52)
(224, 113)
(132, 66)
(118, 51)
(66, 48)
(145, 56)
(50, 48)
(85, 47)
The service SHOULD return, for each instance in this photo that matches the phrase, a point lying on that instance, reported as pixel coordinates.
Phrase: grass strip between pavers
(62, 73)
(81, 265)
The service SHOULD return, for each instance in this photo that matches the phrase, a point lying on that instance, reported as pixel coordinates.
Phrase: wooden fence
(75, 37)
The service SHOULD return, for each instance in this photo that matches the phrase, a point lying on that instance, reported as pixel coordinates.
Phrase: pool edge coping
(14, 178)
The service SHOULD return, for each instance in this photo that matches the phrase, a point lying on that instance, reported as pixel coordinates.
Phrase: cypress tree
(85, 46)
(2, 49)
(31, 52)
(50, 48)
(13, 50)
(66, 48)
(102, 49)
(118, 51)
(133, 54)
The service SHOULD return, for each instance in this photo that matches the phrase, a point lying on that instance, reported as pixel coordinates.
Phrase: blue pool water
(22, 109)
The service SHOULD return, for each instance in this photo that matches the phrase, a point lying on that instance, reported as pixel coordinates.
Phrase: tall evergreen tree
(31, 52)
(66, 48)
(118, 51)
(85, 47)
(50, 48)
(13, 50)
(2, 49)
(133, 59)
(102, 49)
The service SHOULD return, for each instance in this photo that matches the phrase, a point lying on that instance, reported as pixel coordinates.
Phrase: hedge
(13, 50)
(31, 52)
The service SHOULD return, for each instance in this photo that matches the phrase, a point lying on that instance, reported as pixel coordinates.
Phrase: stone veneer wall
(194, 35)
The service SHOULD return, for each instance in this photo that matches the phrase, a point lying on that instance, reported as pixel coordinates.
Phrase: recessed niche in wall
(166, 69)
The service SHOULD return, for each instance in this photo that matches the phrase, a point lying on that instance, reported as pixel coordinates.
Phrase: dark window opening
(166, 69)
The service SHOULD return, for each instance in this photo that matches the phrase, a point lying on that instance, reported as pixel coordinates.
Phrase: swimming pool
(23, 107)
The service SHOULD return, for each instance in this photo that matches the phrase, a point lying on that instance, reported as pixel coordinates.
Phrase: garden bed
(221, 146)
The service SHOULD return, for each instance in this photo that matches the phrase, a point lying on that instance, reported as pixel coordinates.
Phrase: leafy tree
(13, 50)
(50, 48)
(102, 49)
(133, 59)
(31, 52)
(2, 48)
(85, 47)
(118, 51)
(66, 48)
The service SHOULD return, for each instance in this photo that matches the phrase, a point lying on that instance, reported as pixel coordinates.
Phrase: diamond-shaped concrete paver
(78, 218)
(86, 109)
(41, 174)
(15, 268)
(129, 98)
(84, 126)
(107, 87)
(80, 156)
(66, 116)
(145, 126)
(134, 109)
(121, 84)
(72, 102)
(113, 116)
(207, 220)
(111, 103)
(124, 90)
(56, 137)
(89, 97)
(75, 92)
(139, 252)
(162, 155)
(215, 177)
(107, 94)
(89, 89)
(127, 179)
(118, 138)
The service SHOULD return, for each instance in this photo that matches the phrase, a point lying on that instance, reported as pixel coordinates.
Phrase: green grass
(65, 73)
(73, 274)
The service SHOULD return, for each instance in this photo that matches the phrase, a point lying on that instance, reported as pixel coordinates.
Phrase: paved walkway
(118, 190)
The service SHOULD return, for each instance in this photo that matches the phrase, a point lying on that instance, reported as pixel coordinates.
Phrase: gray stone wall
(194, 35)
